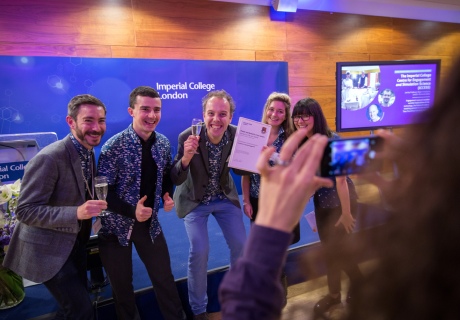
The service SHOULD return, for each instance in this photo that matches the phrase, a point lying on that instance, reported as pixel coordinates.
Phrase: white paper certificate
(251, 136)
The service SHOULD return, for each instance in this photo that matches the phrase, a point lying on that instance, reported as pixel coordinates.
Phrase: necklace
(90, 190)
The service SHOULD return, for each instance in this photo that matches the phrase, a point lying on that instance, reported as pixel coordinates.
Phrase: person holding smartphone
(334, 210)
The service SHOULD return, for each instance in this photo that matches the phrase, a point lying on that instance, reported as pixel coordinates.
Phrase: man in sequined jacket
(136, 163)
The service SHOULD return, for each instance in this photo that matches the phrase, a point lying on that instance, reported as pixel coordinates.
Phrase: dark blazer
(51, 190)
(192, 182)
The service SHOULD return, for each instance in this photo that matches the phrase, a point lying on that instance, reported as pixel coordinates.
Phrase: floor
(303, 296)
(301, 299)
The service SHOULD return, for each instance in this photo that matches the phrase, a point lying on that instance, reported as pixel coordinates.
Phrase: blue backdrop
(34, 91)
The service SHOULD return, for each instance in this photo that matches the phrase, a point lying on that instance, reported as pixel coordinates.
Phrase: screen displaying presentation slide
(384, 94)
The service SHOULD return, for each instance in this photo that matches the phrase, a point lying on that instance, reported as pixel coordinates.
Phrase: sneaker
(201, 316)
(325, 304)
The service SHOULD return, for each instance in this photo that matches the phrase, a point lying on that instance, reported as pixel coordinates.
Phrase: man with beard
(55, 209)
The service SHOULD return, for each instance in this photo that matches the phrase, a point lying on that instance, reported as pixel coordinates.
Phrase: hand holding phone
(351, 156)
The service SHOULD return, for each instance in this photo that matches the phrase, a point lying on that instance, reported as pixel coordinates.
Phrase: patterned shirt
(87, 163)
(215, 156)
(120, 161)
(255, 178)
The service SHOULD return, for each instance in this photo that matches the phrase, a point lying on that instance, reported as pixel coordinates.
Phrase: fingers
(168, 203)
(90, 208)
(291, 145)
(191, 144)
(262, 163)
(142, 200)
(308, 157)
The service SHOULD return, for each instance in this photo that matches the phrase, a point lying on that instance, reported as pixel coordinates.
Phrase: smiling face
(89, 125)
(146, 115)
(305, 121)
(276, 113)
(374, 113)
(217, 117)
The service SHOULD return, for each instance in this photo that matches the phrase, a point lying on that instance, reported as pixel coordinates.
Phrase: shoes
(324, 305)
(201, 316)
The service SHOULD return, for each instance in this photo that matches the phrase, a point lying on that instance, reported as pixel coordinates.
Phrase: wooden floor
(302, 298)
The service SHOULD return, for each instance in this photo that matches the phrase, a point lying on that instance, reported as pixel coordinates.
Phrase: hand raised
(286, 189)
(168, 202)
(143, 213)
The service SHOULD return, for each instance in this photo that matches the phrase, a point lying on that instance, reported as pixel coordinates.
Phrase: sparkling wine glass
(102, 187)
(197, 124)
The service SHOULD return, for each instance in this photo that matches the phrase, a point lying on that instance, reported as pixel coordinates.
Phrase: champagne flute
(197, 124)
(102, 187)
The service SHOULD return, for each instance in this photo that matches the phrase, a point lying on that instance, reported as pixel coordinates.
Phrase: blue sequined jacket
(120, 161)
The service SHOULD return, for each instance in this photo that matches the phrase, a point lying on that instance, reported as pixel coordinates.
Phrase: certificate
(251, 136)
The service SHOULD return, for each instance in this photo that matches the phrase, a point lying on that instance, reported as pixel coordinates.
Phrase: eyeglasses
(304, 117)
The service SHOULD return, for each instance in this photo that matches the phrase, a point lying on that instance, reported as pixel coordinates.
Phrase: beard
(85, 138)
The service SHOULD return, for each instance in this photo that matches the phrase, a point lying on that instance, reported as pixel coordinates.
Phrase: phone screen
(351, 156)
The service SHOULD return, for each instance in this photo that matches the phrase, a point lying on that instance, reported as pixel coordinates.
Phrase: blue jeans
(230, 219)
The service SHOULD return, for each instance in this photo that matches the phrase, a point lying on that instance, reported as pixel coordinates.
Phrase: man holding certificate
(204, 187)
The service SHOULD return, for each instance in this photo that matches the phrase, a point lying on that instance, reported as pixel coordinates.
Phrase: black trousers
(118, 264)
(70, 287)
(334, 241)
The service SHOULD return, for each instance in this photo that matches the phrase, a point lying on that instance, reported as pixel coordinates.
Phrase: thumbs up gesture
(168, 203)
(143, 213)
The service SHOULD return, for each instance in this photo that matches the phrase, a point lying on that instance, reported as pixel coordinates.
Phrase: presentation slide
(385, 95)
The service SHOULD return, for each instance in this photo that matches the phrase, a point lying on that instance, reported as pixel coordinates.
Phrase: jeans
(70, 287)
(230, 219)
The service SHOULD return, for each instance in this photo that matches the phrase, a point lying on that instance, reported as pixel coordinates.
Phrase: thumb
(166, 196)
(142, 200)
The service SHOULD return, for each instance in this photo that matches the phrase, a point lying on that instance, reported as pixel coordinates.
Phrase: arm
(50, 198)
(346, 219)
(258, 270)
(245, 185)
(251, 289)
(167, 186)
(186, 148)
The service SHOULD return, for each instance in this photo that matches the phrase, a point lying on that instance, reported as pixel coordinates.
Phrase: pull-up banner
(34, 91)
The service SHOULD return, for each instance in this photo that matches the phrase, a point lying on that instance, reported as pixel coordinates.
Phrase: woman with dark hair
(334, 210)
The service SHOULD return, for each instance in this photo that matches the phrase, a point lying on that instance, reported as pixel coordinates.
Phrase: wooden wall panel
(193, 24)
(180, 53)
(19, 49)
(310, 41)
(324, 32)
(61, 22)
(424, 37)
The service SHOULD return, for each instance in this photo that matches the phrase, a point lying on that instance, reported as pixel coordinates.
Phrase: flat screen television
(383, 94)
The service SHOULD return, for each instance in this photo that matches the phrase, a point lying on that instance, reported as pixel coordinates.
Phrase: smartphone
(351, 156)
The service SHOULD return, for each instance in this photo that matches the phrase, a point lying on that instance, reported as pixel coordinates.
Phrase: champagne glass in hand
(102, 187)
(197, 124)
